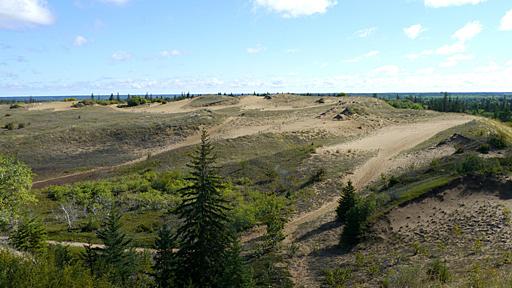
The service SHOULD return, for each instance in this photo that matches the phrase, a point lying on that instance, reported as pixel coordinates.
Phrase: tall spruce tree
(116, 258)
(165, 258)
(204, 237)
(347, 201)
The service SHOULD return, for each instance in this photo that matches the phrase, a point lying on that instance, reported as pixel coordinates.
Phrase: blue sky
(137, 46)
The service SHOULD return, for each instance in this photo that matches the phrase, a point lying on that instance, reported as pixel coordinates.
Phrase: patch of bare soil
(54, 106)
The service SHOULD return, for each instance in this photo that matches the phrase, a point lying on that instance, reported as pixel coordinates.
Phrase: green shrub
(21, 125)
(405, 277)
(15, 106)
(70, 99)
(437, 270)
(484, 148)
(136, 101)
(42, 271)
(497, 141)
(471, 163)
(10, 126)
(405, 104)
(338, 278)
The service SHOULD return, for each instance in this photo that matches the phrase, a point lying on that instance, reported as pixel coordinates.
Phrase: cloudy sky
(59, 47)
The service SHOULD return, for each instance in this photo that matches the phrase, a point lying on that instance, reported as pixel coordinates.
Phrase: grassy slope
(65, 141)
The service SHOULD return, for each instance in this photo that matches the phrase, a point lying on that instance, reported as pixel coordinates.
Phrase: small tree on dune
(356, 222)
(347, 201)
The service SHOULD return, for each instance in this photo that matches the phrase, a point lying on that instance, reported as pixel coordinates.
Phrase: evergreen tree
(236, 274)
(115, 257)
(356, 222)
(165, 258)
(205, 236)
(346, 202)
(30, 236)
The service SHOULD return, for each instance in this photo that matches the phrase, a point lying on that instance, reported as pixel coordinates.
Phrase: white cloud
(296, 8)
(373, 53)
(171, 53)
(256, 50)
(506, 22)
(468, 32)
(20, 13)
(451, 49)
(363, 33)
(426, 71)
(509, 63)
(291, 51)
(491, 67)
(454, 60)
(464, 34)
(121, 56)
(389, 70)
(414, 31)
(80, 41)
(448, 3)
(424, 53)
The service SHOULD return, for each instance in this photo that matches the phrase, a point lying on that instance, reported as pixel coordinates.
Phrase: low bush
(10, 126)
(497, 141)
(484, 148)
(338, 278)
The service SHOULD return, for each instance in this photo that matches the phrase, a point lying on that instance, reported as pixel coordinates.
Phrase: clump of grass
(338, 278)
(438, 270)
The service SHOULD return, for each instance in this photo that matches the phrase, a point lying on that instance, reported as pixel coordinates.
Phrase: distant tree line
(494, 107)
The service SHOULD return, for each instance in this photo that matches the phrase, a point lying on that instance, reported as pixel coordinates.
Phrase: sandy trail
(389, 142)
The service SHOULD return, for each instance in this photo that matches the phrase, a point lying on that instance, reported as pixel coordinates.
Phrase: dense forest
(493, 107)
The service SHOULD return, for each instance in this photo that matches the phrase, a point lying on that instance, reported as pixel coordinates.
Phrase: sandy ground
(55, 106)
(245, 103)
(389, 142)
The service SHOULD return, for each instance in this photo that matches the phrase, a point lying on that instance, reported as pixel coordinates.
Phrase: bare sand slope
(245, 103)
(389, 142)
(55, 106)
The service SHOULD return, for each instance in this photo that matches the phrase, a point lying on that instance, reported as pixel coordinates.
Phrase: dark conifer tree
(165, 258)
(346, 202)
(205, 236)
(116, 258)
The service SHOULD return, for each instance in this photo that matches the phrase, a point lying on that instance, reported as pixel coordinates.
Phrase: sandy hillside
(54, 106)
